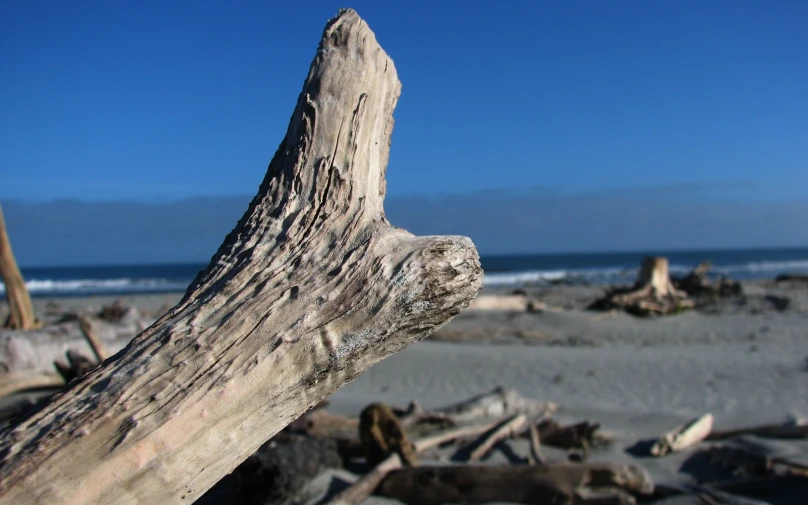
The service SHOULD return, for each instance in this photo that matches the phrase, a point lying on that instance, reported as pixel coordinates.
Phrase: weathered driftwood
(581, 435)
(311, 288)
(415, 414)
(96, 344)
(683, 437)
(792, 277)
(698, 284)
(15, 382)
(480, 447)
(364, 487)
(381, 434)
(34, 351)
(20, 310)
(792, 429)
(497, 403)
(747, 457)
(652, 293)
(536, 457)
(74, 366)
(558, 483)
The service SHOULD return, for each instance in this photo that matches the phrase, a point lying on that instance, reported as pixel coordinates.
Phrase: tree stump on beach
(652, 293)
(21, 311)
(311, 288)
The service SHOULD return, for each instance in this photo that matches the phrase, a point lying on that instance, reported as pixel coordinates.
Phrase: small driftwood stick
(311, 288)
(357, 492)
(364, 487)
(684, 436)
(530, 485)
(98, 347)
(535, 446)
(16, 382)
(503, 430)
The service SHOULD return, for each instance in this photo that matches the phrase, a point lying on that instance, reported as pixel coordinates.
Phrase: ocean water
(516, 270)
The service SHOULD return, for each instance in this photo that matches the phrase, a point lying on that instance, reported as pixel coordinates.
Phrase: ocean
(513, 270)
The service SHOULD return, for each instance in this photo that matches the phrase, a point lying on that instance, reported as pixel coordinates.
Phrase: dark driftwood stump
(531, 485)
(311, 288)
(652, 293)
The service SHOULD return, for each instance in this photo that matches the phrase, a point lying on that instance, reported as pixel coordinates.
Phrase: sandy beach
(744, 359)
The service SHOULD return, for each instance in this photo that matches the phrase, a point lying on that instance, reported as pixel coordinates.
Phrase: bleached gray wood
(311, 288)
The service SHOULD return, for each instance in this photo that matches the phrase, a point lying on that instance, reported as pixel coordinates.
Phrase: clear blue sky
(155, 100)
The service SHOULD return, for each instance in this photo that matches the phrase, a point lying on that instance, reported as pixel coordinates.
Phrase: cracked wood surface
(311, 288)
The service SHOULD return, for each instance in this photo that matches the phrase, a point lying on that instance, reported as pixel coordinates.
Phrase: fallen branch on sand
(683, 437)
(480, 447)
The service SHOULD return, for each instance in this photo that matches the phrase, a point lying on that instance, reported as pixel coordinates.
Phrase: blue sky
(155, 101)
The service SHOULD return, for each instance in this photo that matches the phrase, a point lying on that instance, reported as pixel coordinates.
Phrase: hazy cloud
(74, 232)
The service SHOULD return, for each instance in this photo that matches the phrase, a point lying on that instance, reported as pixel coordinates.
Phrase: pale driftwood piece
(683, 437)
(98, 347)
(438, 439)
(502, 431)
(311, 288)
(497, 404)
(15, 382)
(35, 351)
(539, 485)
(364, 487)
(20, 310)
(535, 446)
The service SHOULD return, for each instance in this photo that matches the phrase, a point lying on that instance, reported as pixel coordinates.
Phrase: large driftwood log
(311, 288)
(20, 309)
(538, 485)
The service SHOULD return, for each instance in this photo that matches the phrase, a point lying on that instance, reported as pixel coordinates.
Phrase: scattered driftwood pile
(656, 293)
(698, 284)
(445, 456)
(431, 457)
(406, 469)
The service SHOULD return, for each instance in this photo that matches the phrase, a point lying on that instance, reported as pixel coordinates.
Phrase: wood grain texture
(311, 288)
